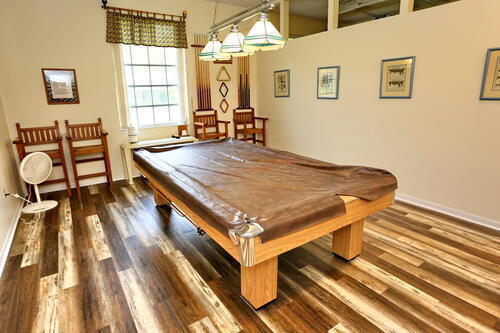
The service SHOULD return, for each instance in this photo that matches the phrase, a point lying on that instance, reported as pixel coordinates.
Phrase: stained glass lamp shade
(264, 36)
(234, 44)
(211, 51)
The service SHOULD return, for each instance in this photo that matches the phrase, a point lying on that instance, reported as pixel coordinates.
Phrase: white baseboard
(449, 211)
(4, 254)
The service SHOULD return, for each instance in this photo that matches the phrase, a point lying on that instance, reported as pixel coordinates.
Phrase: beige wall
(300, 26)
(9, 183)
(442, 144)
(71, 34)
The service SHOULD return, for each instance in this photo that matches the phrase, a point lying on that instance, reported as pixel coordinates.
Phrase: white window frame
(128, 119)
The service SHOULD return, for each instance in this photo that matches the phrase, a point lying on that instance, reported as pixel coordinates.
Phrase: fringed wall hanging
(244, 83)
(202, 75)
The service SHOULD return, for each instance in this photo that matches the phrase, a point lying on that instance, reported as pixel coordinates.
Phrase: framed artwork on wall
(282, 83)
(60, 86)
(396, 77)
(490, 88)
(327, 86)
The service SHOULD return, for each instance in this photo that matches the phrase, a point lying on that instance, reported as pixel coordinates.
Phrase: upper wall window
(422, 4)
(154, 85)
(359, 11)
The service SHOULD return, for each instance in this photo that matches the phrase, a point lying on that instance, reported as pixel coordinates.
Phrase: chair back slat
(207, 117)
(244, 116)
(81, 132)
(32, 136)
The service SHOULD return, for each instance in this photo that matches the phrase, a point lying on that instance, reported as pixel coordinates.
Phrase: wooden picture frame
(490, 87)
(282, 83)
(396, 78)
(60, 86)
(327, 82)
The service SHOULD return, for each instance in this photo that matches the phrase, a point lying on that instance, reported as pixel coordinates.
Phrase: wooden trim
(141, 12)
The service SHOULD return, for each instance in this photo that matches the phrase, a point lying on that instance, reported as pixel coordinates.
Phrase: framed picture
(60, 86)
(328, 82)
(282, 83)
(490, 89)
(396, 77)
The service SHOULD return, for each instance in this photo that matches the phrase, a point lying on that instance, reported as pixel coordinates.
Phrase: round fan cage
(35, 168)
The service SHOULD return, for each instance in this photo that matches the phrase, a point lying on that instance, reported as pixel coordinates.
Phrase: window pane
(175, 113)
(129, 78)
(156, 55)
(139, 54)
(143, 96)
(158, 75)
(160, 95)
(126, 54)
(141, 75)
(131, 96)
(173, 95)
(162, 115)
(171, 55)
(133, 115)
(172, 75)
(145, 116)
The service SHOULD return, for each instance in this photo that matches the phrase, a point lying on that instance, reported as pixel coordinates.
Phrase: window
(154, 85)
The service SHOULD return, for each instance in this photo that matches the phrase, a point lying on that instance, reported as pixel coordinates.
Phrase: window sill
(157, 126)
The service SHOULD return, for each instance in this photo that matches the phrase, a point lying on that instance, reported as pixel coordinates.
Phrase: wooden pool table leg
(348, 241)
(259, 283)
(159, 199)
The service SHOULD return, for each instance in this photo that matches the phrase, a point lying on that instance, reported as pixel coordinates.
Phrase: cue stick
(197, 61)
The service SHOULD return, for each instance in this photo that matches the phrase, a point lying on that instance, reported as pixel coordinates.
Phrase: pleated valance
(145, 28)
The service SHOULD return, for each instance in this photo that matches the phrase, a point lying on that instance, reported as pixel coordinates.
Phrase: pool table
(258, 258)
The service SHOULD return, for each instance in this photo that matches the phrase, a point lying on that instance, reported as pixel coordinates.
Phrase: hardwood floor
(113, 262)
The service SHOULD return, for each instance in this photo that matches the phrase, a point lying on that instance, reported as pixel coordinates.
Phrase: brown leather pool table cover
(229, 182)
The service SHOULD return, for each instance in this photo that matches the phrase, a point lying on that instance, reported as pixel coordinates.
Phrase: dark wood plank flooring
(111, 261)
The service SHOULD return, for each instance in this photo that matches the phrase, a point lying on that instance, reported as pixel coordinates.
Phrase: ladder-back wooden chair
(43, 136)
(206, 125)
(88, 132)
(245, 124)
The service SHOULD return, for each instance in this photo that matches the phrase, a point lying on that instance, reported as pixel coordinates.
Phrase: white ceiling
(311, 8)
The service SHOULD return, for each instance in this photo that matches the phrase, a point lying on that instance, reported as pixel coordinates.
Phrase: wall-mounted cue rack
(244, 82)
(202, 75)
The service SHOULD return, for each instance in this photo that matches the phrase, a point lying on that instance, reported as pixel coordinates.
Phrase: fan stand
(39, 206)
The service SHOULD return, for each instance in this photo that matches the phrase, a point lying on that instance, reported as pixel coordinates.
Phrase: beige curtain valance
(140, 28)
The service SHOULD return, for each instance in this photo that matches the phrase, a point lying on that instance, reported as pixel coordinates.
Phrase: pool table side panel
(355, 210)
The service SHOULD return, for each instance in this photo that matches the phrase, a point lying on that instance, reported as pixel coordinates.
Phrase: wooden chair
(88, 132)
(247, 119)
(208, 120)
(38, 136)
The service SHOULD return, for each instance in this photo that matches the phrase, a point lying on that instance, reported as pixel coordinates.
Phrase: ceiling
(319, 8)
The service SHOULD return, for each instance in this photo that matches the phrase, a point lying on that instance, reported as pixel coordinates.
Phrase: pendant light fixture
(234, 44)
(211, 51)
(264, 36)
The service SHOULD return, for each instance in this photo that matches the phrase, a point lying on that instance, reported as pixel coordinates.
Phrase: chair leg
(107, 163)
(254, 138)
(65, 170)
(75, 173)
(264, 138)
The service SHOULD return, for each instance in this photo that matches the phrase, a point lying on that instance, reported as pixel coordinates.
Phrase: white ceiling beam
(362, 3)
(333, 14)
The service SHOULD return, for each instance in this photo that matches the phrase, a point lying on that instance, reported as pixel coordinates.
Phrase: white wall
(443, 144)
(9, 183)
(71, 34)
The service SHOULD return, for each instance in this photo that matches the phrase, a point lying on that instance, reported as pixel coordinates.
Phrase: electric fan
(35, 168)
